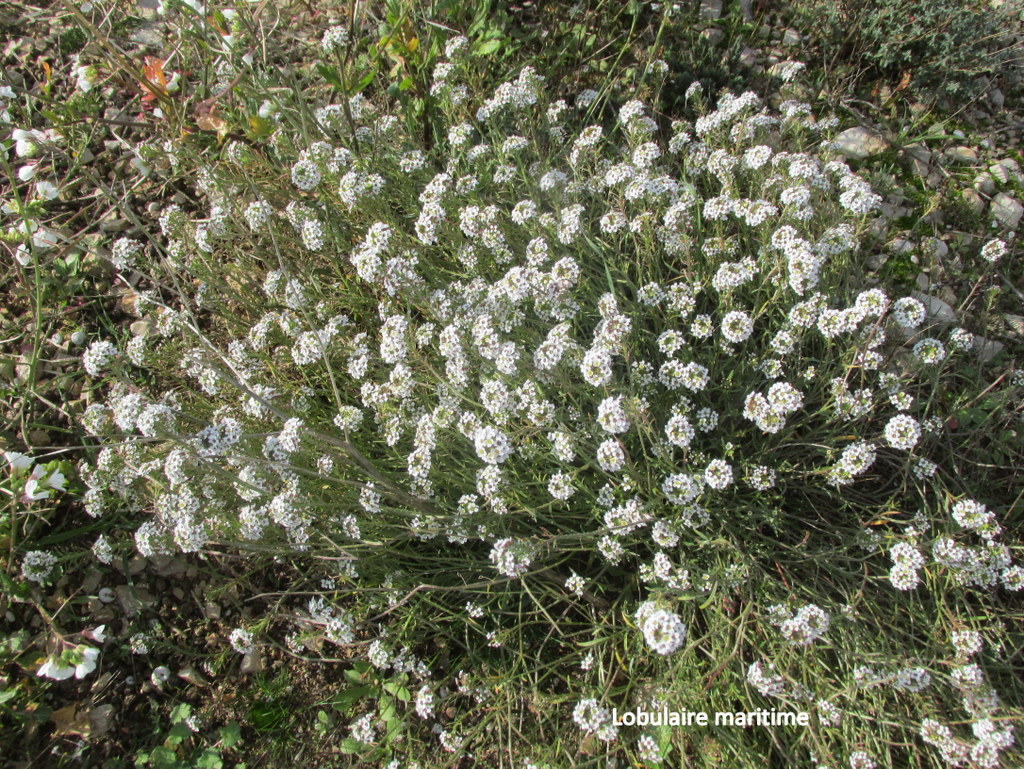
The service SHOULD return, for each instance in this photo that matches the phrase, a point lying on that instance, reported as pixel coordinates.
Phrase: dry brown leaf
(71, 720)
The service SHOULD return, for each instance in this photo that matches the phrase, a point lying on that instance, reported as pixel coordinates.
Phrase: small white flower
(902, 432)
(46, 190)
(241, 641)
(54, 668)
(18, 461)
(664, 631)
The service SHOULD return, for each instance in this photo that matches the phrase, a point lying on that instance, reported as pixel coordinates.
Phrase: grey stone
(252, 662)
(748, 56)
(113, 223)
(148, 35)
(923, 280)
(1015, 323)
(997, 98)
(900, 246)
(193, 676)
(962, 155)
(986, 349)
(974, 201)
(920, 158)
(938, 311)
(860, 143)
(166, 565)
(713, 35)
(101, 719)
(877, 260)
(1007, 211)
(879, 228)
(791, 37)
(710, 9)
(133, 600)
(1005, 170)
(935, 248)
(999, 173)
(984, 183)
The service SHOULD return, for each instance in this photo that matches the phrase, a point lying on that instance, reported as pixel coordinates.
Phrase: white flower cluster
(907, 560)
(803, 627)
(501, 356)
(512, 557)
(664, 631)
(98, 357)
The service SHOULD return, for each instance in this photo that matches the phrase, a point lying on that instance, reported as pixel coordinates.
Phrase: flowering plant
(593, 388)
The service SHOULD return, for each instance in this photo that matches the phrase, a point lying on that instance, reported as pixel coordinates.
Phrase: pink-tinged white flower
(54, 668)
(85, 77)
(26, 143)
(87, 663)
(56, 480)
(28, 171)
(46, 190)
(32, 492)
(78, 662)
(18, 461)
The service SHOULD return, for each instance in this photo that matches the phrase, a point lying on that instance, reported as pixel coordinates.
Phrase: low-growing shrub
(936, 47)
(567, 416)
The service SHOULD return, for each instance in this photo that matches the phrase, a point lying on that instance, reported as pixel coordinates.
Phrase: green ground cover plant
(935, 48)
(507, 402)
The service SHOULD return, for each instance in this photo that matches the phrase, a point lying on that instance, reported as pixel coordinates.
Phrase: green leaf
(395, 688)
(350, 746)
(177, 734)
(488, 47)
(8, 694)
(346, 698)
(387, 709)
(266, 715)
(259, 128)
(230, 735)
(17, 589)
(663, 737)
(364, 81)
(330, 74)
(209, 759)
(163, 758)
(180, 712)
